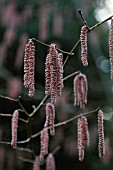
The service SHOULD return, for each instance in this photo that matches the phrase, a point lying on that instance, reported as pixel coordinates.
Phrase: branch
(9, 115)
(65, 52)
(89, 30)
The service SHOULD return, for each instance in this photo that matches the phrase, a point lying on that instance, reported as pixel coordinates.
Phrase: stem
(100, 23)
(82, 17)
(65, 52)
(9, 115)
(41, 103)
(22, 107)
(69, 76)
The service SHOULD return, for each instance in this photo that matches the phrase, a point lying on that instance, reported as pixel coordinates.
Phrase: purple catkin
(80, 90)
(26, 65)
(83, 39)
(101, 145)
(85, 132)
(29, 64)
(60, 74)
(14, 129)
(111, 47)
(50, 162)
(47, 76)
(53, 73)
(44, 139)
(36, 165)
(80, 139)
(50, 117)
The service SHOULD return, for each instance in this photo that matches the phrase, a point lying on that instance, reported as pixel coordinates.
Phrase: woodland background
(54, 21)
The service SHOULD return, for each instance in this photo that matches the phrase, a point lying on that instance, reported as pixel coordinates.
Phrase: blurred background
(55, 21)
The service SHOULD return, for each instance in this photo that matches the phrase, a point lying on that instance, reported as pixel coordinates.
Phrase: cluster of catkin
(80, 90)
(53, 73)
(29, 64)
(83, 135)
(49, 125)
(50, 163)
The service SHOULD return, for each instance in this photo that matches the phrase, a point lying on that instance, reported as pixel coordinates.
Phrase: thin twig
(9, 115)
(25, 150)
(8, 98)
(25, 160)
(69, 76)
(83, 19)
(41, 104)
(22, 106)
(65, 52)
(100, 23)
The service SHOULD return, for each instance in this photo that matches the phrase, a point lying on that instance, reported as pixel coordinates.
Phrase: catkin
(53, 73)
(44, 139)
(80, 90)
(50, 117)
(36, 165)
(50, 162)
(111, 47)
(101, 145)
(83, 39)
(14, 129)
(29, 64)
(80, 139)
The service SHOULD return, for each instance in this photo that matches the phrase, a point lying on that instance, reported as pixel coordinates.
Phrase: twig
(41, 104)
(69, 76)
(65, 52)
(9, 115)
(25, 150)
(25, 160)
(22, 106)
(56, 149)
(82, 17)
(89, 30)
(8, 98)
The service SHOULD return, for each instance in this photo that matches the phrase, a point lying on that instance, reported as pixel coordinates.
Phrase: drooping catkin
(50, 162)
(101, 145)
(83, 39)
(80, 139)
(36, 165)
(83, 136)
(111, 47)
(44, 139)
(60, 74)
(80, 90)
(53, 73)
(29, 64)
(47, 76)
(50, 117)
(14, 129)
(85, 132)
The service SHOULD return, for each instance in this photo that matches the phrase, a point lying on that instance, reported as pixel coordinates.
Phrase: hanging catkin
(29, 64)
(53, 73)
(111, 47)
(101, 145)
(36, 165)
(83, 39)
(80, 90)
(14, 129)
(44, 139)
(50, 162)
(80, 139)
(50, 117)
